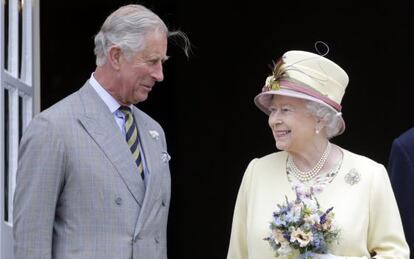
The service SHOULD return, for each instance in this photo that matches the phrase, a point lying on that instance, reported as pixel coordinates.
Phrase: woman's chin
(280, 146)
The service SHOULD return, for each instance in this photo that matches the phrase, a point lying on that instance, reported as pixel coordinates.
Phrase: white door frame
(20, 88)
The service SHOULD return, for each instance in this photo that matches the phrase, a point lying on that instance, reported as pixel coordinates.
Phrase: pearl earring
(317, 131)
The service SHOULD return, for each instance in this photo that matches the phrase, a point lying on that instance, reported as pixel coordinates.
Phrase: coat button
(163, 203)
(156, 240)
(118, 201)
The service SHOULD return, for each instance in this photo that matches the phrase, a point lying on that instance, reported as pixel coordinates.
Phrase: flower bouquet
(301, 228)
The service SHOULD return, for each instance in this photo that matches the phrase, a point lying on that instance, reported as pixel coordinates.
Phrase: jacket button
(163, 203)
(156, 240)
(118, 201)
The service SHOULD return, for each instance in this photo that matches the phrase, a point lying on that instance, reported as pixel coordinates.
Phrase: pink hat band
(298, 88)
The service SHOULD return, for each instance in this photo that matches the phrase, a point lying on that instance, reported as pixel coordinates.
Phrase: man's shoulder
(62, 112)
(405, 141)
(62, 109)
(66, 102)
(407, 136)
(68, 105)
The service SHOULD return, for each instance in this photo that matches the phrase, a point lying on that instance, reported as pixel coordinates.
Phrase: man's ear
(114, 56)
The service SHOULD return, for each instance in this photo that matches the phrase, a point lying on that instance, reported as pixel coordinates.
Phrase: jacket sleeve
(238, 248)
(38, 182)
(401, 172)
(386, 236)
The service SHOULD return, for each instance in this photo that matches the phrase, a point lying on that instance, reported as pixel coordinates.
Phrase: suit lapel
(150, 147)
(147, 144)
(101, 126)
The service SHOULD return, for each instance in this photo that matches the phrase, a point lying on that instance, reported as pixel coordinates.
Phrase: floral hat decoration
(308, 76)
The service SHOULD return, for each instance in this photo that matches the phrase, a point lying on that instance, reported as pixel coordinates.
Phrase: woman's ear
(320, 124)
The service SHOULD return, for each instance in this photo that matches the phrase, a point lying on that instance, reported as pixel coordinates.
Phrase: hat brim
(263, 101)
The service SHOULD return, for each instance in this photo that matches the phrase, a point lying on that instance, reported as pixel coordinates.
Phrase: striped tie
(132, 138)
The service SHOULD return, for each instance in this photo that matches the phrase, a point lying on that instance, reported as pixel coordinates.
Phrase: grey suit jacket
(78, 193)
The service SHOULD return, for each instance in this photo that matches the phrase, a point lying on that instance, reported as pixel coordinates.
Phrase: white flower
(278, 236)
(312, 219)
(310, 204)
(302, 237)
(154, 134)
(285, 250)
(302, 191)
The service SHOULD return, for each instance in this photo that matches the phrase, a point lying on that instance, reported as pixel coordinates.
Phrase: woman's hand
(331, 256)
(327, 256)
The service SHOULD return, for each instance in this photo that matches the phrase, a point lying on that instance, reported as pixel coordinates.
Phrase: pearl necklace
(309, 175)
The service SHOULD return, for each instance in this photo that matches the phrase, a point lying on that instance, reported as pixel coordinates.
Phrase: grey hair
(331, 118)
(127, 28)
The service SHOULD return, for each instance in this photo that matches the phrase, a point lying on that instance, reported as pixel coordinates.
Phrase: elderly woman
(302, 99)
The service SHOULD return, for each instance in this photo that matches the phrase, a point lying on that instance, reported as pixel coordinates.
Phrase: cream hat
(307, 76)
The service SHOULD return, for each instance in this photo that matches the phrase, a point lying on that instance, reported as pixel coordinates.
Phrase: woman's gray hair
(331, 118)
(127, 28)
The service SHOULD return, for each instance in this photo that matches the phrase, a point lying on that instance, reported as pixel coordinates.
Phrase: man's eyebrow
(165, 58)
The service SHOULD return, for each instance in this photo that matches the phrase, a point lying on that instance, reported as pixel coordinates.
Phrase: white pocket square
(165, 157)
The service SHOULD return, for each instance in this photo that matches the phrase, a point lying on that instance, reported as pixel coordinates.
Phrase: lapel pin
(154, 134)
(352, 177)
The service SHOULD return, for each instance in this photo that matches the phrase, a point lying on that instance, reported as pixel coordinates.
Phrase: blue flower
(292, 216)
(317, 240)
(279, 222)
(323, 217)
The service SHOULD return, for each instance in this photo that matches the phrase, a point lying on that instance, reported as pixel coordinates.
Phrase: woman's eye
(272, 109)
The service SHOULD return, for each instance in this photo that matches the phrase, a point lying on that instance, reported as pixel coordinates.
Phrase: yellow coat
(366, 212)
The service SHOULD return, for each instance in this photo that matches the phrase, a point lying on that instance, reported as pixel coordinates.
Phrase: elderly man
(93, 179)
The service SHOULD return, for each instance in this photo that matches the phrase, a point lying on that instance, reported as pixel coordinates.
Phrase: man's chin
(141, 98)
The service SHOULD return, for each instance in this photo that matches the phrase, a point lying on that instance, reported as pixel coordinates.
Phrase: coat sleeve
(385, 233)
(38, 183)
(401, 172)
(238, 248)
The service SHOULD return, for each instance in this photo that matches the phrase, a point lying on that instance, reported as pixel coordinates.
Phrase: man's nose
(158, 73)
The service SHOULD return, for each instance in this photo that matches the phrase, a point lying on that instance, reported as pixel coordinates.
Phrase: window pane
(20, 117)
(6, 33)
(20, 3)
(6, 155)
